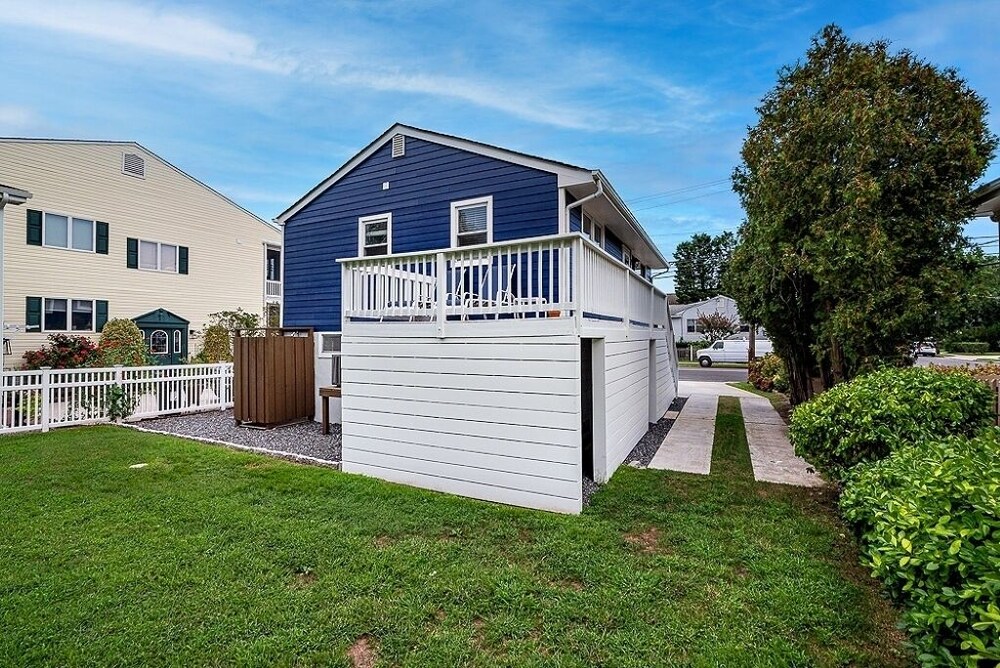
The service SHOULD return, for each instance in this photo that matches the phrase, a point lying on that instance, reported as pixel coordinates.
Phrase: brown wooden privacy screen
(273, 376)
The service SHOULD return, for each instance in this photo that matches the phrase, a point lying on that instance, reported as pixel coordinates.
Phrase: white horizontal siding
(666, 384)
(495, 418)
(626, 397)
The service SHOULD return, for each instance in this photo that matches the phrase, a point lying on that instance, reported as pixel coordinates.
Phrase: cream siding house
(114, 231)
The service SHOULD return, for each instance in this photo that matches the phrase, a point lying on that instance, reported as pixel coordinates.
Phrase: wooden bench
(324, 394)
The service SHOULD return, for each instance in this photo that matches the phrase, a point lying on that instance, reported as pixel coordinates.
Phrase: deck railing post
(46, 396)
(576, 256)
(652, 307)
(442, 294)
(222, 386)
(628, 306)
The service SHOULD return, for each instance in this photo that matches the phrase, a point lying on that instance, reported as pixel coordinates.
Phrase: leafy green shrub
(768, 374)
(217, 346)
(878, 413)
(63, 351)
(969, 347)
(122, 343)
(929, 521)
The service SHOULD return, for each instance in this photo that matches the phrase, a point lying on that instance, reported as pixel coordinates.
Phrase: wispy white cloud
(170, 32)
(584, 89)
(15, 118)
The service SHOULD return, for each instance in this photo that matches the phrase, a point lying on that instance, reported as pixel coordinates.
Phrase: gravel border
(301, 441)
(643, 452)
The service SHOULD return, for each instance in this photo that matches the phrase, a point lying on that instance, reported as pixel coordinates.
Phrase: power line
(678, 201)
(677, 191)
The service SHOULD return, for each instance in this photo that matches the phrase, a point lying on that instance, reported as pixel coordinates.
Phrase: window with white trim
(60, 231)
(177, 341)
(155, 256)
(586, 225)
(159, 343)
(472, 222)
(68, 315)
(597, 235)
(627, 256)
(375, 234)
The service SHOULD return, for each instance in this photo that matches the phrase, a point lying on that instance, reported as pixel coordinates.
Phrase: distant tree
(855, 184)
(715, 326)
(700, 264)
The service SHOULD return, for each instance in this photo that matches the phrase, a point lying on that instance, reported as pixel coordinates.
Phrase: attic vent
(133, 165)
(398, 146)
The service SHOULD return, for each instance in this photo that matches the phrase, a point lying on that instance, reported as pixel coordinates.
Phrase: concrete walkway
(771, 454)
(687, 447)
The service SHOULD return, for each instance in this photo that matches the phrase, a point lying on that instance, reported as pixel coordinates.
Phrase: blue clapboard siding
(422, 186)
(612, 244)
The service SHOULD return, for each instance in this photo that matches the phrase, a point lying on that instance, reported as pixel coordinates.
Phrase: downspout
(4, 200)
(580, 202)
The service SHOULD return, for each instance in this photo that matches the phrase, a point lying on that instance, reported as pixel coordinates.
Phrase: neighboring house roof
(137, 145)
(677, 310)
(567, 174)
(986, 199)
(15, 195)
(160, 317)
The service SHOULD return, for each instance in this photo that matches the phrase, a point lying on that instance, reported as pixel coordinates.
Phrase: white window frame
(363, 221)
(627, 256)
(69, 232)
(166, 338)
(598, 236)
(177, 342)
(69, 316)
(159, 256)
(465, 203)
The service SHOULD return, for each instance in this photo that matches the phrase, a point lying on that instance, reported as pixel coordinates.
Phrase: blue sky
(264, 99)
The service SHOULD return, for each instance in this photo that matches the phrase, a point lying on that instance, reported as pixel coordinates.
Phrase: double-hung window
(68, 315)
(472, 222)
(375, 234)
(157, 257)
(60, 231)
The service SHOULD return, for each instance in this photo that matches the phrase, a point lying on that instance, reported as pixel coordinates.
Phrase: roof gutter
(580, 202)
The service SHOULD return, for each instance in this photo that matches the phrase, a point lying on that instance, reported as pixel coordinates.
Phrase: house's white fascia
(567, 175)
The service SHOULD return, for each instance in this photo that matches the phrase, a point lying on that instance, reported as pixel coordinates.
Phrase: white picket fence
(47, 398)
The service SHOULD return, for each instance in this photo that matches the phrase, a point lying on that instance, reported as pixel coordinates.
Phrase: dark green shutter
(34, 227)
(33, 314)
(101, 317)
(132, 253)
(102, 238)
(182, 260)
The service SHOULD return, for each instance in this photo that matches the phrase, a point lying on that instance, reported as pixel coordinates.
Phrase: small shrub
(878, 413)
(969, 347)
(768, 374)
(929, 522)
(63, 351)
(217, 346)
(122, 343)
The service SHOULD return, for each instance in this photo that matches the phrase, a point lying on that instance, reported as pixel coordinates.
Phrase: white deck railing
(558, 276)
(40, 400)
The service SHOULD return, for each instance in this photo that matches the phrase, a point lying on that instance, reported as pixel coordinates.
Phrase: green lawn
(210, 557)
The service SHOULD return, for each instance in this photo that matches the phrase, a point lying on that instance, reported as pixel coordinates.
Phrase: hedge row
(969, 347)
(921, 472)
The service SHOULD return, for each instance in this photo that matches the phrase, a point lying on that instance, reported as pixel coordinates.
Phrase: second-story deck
(553, 283)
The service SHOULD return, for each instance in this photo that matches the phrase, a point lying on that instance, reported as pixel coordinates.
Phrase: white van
(732, 350)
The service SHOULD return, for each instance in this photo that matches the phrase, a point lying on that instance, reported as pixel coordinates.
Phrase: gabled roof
(136, 145)
(160, 316)
(678, 309)
(567, 174)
